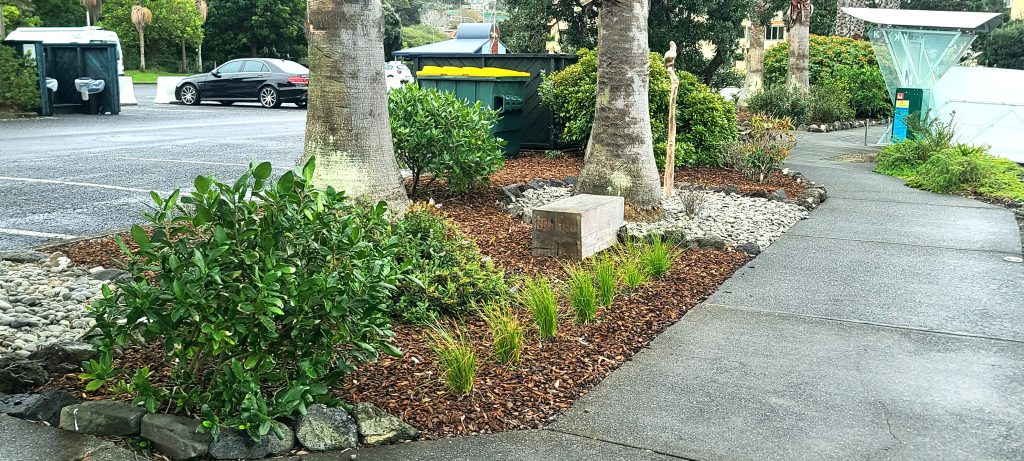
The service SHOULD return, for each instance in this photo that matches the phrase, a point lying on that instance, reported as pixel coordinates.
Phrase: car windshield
(292, 67)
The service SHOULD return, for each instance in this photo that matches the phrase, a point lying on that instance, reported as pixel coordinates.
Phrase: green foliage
(392, 30)
(606, 276)
(705, 121)
(59, 13)
(19, 82)
(581, 292)
(766, 146)
(526, 29)
(823, 21)
(634, 273)
(243, 28)
(901, 159)
(447, 273)
(456, 357)
(829, 104)
(539, 298)
(780, 101)
(408, 11)
(15, 17)
(1003, 46)
(655, 256)
(261, 294)
(436, 132)
(692, 22)
(421, 34)
(840, 62)
(174, 22)
(506, 333)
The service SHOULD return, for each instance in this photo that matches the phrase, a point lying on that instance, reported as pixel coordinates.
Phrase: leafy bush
(1002, 47)
(929, 135)
(421, 34)
(19, 82)
(582, 293)
(840, 62)
(437, 133)
(447, 273)
(456, 358)
(262, 295)
(765, 146)
(780, 101)
(606, 276)
(829, 104)
(705, 121)
(540, 300)
(506, 332)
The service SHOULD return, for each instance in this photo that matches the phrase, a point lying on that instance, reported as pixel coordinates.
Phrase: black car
(269, 82)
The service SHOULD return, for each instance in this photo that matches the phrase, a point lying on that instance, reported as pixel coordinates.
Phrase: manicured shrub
(970, 168)
(829, 103)
(539, 298)
(705, 121)
(839, 61)
(261, 294)
(447, 273)
(606, 276)
(435, 132)
(780, 101)
(765, 146)
(456, 357)
(581, 292)
(506, 333)
(19, 82)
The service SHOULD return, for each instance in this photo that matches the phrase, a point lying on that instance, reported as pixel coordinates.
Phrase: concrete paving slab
(27, 441)
(539, 445)
(734, 384)
(954, 291)
(985, 229)
(860, 183)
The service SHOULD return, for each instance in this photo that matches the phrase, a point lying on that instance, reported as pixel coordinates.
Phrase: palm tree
(141, 17)
(620, 156)
(347, 125)
(761, 11)
(797, 74)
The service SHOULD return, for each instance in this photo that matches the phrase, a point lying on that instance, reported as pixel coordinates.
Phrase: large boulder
(64, 357)
(176, 436)
(102, 417)
(236, 444)
(323, 428)
(37, 407)
(377, 427)
(19, 374)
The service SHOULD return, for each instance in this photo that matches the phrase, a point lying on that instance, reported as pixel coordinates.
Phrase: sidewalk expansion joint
(915, 245)
(979, 205)
(624, 445)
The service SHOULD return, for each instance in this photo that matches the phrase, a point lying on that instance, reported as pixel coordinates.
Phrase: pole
(866, 131)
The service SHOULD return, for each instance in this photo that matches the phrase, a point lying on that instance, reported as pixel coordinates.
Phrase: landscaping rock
(377, 427)
(779, 195)
(510, 193)
(749, 248)
(37, 407)
(176, 436)
(22, 256)
(323, 428)
(236, 444)
(102, 417)
(64, 357)
(18, 374)
(108, 274)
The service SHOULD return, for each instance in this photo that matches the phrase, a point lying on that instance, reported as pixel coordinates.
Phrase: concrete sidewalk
(886, 326)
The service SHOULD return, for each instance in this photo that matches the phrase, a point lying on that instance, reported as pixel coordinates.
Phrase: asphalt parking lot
(75, 175)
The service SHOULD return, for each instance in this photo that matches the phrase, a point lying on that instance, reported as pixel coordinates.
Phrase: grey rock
(37, 407)
(108, 274)
(731, 189)
(510, 193)
(710, 243)
(556, 183)
(570, 180)
(537, 184)
(779, 195)
(377, 427)
(19, 374)
(64, 357)
(235, 444)
(30, 300)
(749, 248)
(102, 417)
(176, 436)
(323, 428)
(22, 256)
(22, 323)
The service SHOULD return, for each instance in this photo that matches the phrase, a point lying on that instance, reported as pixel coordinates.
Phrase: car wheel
(301, 104)
(269, 98)
(189, 94)
(226, 103)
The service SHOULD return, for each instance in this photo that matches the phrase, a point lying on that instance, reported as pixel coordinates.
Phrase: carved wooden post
(670, 149)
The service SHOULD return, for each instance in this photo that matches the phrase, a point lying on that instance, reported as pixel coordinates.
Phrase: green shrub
(456, 358)
(19, 82)
(506, 332)
(582, 293)
(540, 300)
(421, 34)
(901, 159)
(606, 276)
(765, 146)
(705, 121)
(841, 62)
(261, 294)
(447, 273)
(829, 104)
(1002, 47)
(780, 101)
(970, 168)
(437, 133)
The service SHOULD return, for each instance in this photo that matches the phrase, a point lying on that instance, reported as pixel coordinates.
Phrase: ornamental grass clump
(456, 357)
(506, 333)
(582, 294)
(656, 256)
(606, 276)
(634, 273)
(539, 298)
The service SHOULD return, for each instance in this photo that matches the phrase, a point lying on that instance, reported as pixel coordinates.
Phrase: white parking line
(169, 160)
(83, 184)
(45, 235)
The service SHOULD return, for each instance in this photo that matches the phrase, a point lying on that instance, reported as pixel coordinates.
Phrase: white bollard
(127, 91)
(165, 89)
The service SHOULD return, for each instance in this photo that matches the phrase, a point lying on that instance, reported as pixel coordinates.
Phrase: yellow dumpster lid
(449, 71)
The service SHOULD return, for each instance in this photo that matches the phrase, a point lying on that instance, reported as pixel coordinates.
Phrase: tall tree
(347, 125)
(761, 12)
(798, 70)
(204, 11)
(60, 13)
(266, 28)
(620, 155)
(92, 11)
(141, 17)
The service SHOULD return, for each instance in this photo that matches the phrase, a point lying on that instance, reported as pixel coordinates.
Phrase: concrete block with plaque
(578, 226)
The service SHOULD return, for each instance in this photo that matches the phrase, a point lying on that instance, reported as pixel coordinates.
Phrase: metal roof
(469, 38)
(925, 19)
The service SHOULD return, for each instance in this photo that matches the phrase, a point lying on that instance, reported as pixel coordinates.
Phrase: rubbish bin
(500, 89)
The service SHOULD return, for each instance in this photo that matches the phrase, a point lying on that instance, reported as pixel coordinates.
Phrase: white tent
(987, 106)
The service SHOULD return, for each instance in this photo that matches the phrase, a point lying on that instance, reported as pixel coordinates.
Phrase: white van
(69, 35)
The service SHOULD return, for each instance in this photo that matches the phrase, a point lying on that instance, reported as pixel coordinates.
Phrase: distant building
(774, 33)
(480, 5)
(1017, 9)
(478, 38)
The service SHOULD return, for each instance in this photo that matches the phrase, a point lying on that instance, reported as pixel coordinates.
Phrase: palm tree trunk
(184, 62)
(347, 125)
(620, 155)
(142, 50)
(798, 70)
(755, 60)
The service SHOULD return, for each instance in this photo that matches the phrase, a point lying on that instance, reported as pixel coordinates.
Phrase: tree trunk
(184, 61)
(755, 60)
(142, 50)
(846, 25)
(798, 70)
(347, 125)
(199, 57)
(713, 65)
(620, 155)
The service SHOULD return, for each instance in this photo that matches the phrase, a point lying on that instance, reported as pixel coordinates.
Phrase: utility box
(578, 226)
(500, 89)
(908, 103)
